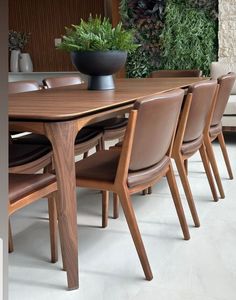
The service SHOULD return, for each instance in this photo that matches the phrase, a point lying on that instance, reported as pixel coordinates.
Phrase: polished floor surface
(203, 268)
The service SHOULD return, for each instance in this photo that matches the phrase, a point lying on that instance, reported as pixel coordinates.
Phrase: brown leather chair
(20, 87)
(31, 153)
(85, 139)
(25, 189)
(23, 86)
(143, 159)
(176, 73)
(113, 128)
(28, 159)
(172, 73)
(195, 119)
(226, 83)
(53, 82)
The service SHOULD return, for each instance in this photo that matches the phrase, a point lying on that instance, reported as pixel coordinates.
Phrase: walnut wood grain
(76, 101)
(59, 114)
(62, 137)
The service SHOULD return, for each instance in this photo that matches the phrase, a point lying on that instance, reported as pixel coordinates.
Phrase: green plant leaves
(189, 38)
(145, 18)
(17, 40)
(97, 35)
(173, 34)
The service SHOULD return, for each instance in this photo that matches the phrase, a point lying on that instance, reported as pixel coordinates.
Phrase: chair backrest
(221, 68)
(176, 73)
(23, 86)
(226, 83)
(156, 123)
(202, 96)
(54, 82)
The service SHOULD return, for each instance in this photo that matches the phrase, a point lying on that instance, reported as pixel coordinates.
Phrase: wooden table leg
(62, 136)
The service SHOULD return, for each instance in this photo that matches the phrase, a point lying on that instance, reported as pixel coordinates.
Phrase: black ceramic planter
(99, 66)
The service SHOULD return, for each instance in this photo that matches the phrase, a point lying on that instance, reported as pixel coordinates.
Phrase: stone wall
(227, 31)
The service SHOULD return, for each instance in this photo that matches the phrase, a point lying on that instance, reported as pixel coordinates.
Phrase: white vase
(14, 60)
(25, 62)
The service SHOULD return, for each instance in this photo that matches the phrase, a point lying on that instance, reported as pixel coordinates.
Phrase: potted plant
(16, 43)
(98, 50)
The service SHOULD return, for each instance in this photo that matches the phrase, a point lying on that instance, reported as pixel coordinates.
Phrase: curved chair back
(54, 82)
(202, 97)
(226, 83)
(23, 86)
(155, 126)
(176, 73)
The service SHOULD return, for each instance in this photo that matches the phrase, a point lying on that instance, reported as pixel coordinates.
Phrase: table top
(71, 102)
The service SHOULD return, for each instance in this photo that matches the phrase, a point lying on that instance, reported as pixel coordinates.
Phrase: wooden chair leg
(64, 267)
(144, 192)
(53, 228)
(10, 239)
(98, 147)
(105, 204)
(115, 206)
(177, 201)
(134, 230)
(225, 154)
(147, 191)
(102, 144)
(211, 157)
(85, 154)
(207, 168)
(186, 166)
(184, 179)
(53, 224)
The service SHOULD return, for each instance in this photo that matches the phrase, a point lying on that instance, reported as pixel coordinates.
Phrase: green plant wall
(189, 37)
(145, 17)
(173, 34)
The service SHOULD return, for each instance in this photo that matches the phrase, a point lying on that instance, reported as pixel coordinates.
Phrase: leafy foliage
(189, 37)
(208, 6)
(145, 17)
(17, 40)
(97, 35)
(138, 65)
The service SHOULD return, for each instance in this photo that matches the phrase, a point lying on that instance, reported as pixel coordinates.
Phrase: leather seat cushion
(22, 154)
(192, 146)
(147, 175)
(21, 185)
(102, 166)
(110, 124)
(84, 135)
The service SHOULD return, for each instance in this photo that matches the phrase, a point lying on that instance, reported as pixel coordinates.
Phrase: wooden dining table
(59, 114)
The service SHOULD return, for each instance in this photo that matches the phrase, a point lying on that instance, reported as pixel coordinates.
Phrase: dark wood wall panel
(112, 11)
(46, 20)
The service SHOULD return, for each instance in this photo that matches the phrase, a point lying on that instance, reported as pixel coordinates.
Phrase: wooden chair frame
(46, 163)
(48, 191)
(182, 160)
(121, 188)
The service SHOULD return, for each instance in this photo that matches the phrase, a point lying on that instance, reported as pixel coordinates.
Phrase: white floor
(203, 268)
